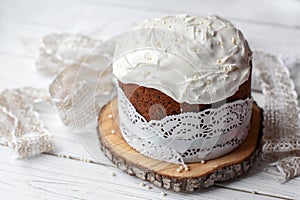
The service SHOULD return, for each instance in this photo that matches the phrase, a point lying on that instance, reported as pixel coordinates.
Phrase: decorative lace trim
(57, 51)
(20, 124)
(82, 76)
(281, 137)
(289, 166)
(186, 137)
(80, 65)
(74, 97)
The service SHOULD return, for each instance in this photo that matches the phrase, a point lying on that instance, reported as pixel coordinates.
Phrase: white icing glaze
(198, 60)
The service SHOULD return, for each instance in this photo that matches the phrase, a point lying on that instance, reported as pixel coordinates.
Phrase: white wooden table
(268, 25)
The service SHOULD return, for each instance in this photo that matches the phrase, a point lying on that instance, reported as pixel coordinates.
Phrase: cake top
(197, 60)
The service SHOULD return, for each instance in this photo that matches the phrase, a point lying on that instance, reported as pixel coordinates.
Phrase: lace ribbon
(76, 62)
(281, 138)
(20, 124)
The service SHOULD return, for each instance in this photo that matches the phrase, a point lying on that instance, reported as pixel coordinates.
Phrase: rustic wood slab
(163, 174)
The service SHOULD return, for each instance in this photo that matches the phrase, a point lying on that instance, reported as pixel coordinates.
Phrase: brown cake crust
(155, 105)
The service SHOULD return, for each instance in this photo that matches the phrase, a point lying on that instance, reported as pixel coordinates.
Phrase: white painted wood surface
(268, 25)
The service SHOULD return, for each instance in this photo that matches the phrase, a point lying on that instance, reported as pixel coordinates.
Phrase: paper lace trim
(186, 137)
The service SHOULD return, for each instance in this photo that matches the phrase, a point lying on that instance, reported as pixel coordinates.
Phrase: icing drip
(198, 60)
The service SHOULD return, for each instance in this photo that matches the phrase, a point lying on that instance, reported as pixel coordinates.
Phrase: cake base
(163, 174)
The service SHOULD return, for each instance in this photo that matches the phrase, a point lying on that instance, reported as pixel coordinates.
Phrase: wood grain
(53, 178)
(164, 174)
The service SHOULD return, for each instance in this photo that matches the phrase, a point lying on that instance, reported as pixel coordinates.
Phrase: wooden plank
(265, 180)
(50, 177)
(272, 39)
(76, 143)
(123, 19)
(275, 13)
(18, 38)
(19, 71)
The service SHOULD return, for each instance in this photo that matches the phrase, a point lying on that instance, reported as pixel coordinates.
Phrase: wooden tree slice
(163, 174)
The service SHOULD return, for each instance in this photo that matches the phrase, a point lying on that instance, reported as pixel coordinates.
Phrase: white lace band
(187, 137)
